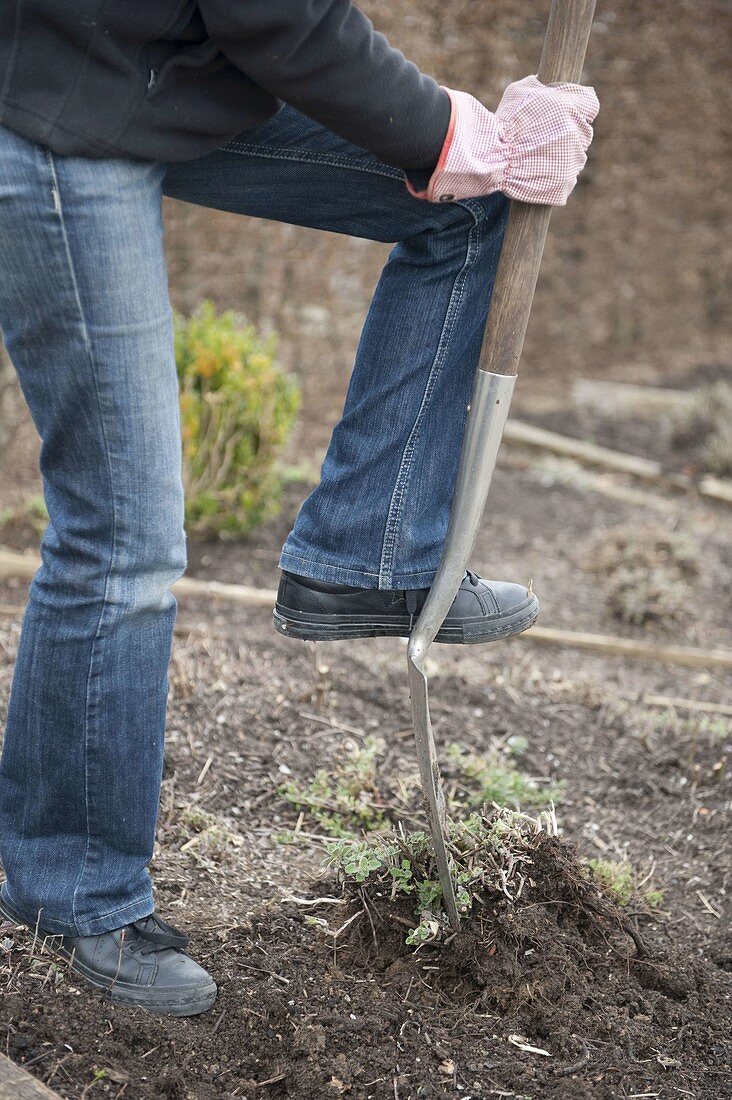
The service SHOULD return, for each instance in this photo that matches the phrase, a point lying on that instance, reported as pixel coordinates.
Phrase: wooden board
(17, 1084)
(631, 400)
(688, 656)
(23, 566)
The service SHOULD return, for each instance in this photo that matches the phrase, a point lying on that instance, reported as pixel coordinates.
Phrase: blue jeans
(85, 316)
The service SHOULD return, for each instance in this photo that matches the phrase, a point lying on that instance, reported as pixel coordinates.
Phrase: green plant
(488, 850)
(621, 882)
(493, 778)
(203, 835)
(345, 797)
(237, 410)
(353, 796)
(359, 858)
(35, 509)
(715, 727)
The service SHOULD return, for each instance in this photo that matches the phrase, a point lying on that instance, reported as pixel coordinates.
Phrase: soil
(374, 1018)
(299, 1018)
(302, 1014)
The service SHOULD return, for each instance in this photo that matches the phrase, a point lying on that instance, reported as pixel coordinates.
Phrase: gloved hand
(532, 148)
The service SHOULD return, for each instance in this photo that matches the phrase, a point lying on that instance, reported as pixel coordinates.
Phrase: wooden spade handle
(567, 34)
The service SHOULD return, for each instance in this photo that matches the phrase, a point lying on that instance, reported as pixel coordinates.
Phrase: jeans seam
(311, 158)
(398, 496)
(58, 205)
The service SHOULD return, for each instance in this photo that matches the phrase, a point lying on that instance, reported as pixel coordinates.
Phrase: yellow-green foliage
(345, 797)
(237, 410)
(620, 880)
(495, 779)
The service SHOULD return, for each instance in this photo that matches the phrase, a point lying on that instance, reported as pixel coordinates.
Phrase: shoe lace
(153, 934)
(472, 577)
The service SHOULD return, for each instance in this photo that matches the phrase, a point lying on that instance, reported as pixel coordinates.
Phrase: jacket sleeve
(325, 58)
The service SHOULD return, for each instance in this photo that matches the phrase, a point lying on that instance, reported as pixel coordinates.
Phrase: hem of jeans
(341, 574)
(95, 926)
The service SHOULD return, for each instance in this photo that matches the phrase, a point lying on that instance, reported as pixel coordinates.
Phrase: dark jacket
(173, 79)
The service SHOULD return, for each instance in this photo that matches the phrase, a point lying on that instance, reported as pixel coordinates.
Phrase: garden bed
(302, 1014)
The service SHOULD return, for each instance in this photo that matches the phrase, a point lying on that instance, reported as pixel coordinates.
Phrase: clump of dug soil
(551, 993)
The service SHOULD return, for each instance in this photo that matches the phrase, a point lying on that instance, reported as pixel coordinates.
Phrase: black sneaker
(483, 611)
(143, 964)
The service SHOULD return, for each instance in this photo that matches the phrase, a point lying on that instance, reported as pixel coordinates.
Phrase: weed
(706, 425)
(35, 509)
(494, 778)
(646, 572)
(355, 797)
(206, 837)
(237, 410)
(195, 819)
(622, 883)
(346, 797)
(715, 727)
(359, 858)
(31, 517)
(489, 850)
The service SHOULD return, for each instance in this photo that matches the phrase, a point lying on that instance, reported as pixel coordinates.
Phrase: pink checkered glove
(533, 147)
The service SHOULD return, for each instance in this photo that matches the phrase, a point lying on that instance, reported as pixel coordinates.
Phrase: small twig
(269, 973)
(708, 905)
(675, 703)
(343, 927)
(204, 771)
(269, 1081)
(331, 722)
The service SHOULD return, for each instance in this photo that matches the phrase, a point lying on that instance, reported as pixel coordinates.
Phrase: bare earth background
(635, 286)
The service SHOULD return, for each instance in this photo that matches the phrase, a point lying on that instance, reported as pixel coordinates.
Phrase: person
(298, 112)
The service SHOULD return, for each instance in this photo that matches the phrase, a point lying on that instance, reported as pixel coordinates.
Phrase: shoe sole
(192, 1003)
(312, 627)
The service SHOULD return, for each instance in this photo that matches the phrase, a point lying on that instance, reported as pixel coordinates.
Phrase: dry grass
(706, 426)
(645, 572)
